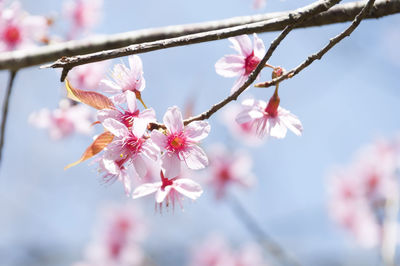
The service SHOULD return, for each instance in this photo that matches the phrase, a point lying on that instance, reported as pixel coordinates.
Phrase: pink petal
(173, 120)
(276, 128)
(131, 101)
(135, 64)
(107, 113)
(109, 86)
(188, 187)
(195, 157)
(291, 122)
(150, 150)
(116, 128)
(230, 66)
(127, 182)
(140, 166)
(145, 189)
(159, 139)
(259, 48)
(242, 44)
(197, 130)
(162, 193)
(171, 164)
(238, 83)
(111, 166)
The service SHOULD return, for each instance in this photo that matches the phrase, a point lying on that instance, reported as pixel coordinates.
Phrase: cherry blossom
(168, 190)
(227, 168)
(87, 77)
(64, 121)
(215, 251)
(269, 119)
(358, 192)
(19, 30)
(129, 145)
(179, 143)
(83, 14)
(125, 79)
(259, 4)
(117, 238)
(243, 63)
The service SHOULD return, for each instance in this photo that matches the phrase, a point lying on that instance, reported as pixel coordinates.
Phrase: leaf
(97, 146)
(91, 98)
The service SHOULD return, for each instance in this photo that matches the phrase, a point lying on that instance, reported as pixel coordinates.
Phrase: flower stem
(140, 99)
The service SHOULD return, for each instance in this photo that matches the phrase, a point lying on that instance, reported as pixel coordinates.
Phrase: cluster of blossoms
(117, 239)
(256, 117)
(214, 250)
(18, 29)
(131, 151)
(360, 192)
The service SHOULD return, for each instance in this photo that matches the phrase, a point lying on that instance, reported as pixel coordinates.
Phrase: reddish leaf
(97, 146)
(91, 98)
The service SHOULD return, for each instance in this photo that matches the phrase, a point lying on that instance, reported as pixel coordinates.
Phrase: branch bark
(340, 13)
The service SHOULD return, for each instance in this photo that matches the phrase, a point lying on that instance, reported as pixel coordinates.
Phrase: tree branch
(332, 42)
(340, 13)
(5, 110)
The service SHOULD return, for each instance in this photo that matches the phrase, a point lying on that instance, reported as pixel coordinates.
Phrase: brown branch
(5, 110)
(41, 55)
(310, 11)
(332, 42)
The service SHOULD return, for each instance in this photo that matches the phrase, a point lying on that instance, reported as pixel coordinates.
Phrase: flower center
(177, 142)
(127, 118)
(251, 63)
(12, 35)
(165, 181)
(133, 144)
(224, 174)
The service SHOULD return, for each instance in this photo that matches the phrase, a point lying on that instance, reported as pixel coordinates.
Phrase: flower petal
(145, 189)
(159, 139)
(230, 66)
(140, 166)
(238, 83)
(107, 113)
(171, 164)
(116, 128)
(108, 86)
(259, 48)
(276, 128)
(242, 44)
(197, 130)
(162, 193)
(173, 120)
(131, 101)
(188, 187)
(195, 157)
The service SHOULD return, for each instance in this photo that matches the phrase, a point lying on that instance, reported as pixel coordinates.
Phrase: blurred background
(348, 99)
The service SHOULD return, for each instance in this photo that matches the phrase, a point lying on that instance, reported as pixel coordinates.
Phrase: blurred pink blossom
(87, 77)
(179, 143)
(243, 63)
(259, 4)
(228, 168)
(244, 132)
(358, 193)
(19, 30)
(215, 251)
(269, 119)
(83, 14)
(117, 238)
(65, 120)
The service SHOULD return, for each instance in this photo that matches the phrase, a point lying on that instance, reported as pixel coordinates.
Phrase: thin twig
(6, 103)
(41, 55)
(332, 42)
(260, 235)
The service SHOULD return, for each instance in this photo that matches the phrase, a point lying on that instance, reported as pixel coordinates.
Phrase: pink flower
(128, 146)
(244, 132)
(19, 30)
(179, 143)
(87, 77)
(117, 237)
(215, 251)
(269, 119)
(64, 121)
(359, 192)
(168, 190)
(259, 4)
(241, 64)
(83, 14)
(125, 79)
(227, 168)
